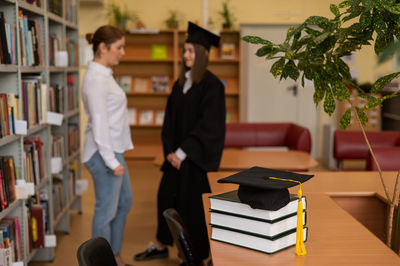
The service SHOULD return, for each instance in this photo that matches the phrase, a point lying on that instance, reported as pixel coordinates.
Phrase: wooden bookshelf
(140, 66)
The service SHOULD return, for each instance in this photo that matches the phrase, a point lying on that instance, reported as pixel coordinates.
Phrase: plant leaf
(277, 67)
(255, 40)
(379, 26)
(266, 49)
(393, 8)
(383, 82)
(291, 70)
(329, 103)
(335, 9)
(369, 4)
(345, 120)
(363, 117)
(340, 90)
(389, 51)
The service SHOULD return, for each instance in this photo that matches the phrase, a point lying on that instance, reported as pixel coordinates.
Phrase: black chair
(96, 252)
(181, 238)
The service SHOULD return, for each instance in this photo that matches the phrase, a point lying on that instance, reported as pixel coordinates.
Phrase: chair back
(96, 252)
(181, 237)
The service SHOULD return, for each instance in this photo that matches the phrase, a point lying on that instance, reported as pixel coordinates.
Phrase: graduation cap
(198, 35)
(267, 189)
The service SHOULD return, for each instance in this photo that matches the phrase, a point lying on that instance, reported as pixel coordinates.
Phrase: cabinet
(150, 67)
(27, 81)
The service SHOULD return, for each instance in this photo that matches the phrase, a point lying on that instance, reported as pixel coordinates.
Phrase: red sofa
(387, 157)
(352, 145)
(294, 137)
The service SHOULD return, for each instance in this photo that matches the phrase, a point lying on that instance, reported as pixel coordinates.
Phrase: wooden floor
(140, 226)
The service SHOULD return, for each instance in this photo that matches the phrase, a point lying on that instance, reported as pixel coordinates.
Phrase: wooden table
(335, 237)
(237, 159)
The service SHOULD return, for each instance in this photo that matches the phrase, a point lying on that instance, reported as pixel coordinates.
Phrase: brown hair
(107, 34)
(199, 67)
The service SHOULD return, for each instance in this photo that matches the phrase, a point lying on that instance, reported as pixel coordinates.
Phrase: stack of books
(267, 231)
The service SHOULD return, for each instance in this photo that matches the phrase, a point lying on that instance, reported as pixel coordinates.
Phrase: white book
(256, 226)
(229, 203)
(256, 242)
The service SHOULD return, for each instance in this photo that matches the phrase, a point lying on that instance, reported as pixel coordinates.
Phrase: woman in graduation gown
(193, 138)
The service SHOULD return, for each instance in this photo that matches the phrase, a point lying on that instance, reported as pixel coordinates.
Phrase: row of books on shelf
(142, 84)
(8, 43)
(36, 102)
(8, 175)
(30, 41)
(72, 51)
(70, 10)
(73, 138)
(34, 160)
(267, 231)
(145, 117)
(226, 51)
(60, 194)
(150, 117)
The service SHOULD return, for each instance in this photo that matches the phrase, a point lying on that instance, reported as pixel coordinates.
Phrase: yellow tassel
(300, 249)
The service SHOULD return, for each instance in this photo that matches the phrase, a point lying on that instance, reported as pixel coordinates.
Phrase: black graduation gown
(195, 122)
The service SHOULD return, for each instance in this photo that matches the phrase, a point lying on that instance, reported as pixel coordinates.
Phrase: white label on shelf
(21, 127)
(18, 263)
(50, 241)
(54, 118)
(31, 188)
(81, 186)
(22, 191)
(56, 165)
(61, 59)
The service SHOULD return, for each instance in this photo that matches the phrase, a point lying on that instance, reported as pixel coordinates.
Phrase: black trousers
(182, 190)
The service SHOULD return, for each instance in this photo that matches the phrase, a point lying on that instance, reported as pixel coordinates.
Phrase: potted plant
(172, 21)
(121, 16)
(227, 16)
(314, 51)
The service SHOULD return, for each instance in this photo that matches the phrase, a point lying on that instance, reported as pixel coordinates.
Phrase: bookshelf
(42, 197)
(155, 58)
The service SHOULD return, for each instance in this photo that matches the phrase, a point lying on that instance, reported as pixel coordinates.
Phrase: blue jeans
(113, 200)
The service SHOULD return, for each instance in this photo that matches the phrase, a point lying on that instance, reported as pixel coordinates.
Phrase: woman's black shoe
(151, 253)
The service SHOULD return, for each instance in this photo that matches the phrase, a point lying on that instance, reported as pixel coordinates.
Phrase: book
(159, 83)
(140, 85)
(254, 225)
(125, 82)
(229, 202)
(37, 216)
(160, 117)
(159, 51)
(256, 242)
(146, 117)
(227, 51)
(132, 116)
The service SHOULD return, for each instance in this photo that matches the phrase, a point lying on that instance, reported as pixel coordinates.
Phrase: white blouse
(106, 107)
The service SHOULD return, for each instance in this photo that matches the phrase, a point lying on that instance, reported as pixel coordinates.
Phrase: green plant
(226, 15)
(121, 16)
(172, 21)
(314, 51)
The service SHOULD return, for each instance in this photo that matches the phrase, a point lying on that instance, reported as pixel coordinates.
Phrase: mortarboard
(267, 189)
(258, 190)
(199, 35)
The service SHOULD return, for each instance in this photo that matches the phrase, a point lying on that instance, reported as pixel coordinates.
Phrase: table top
(334, 238)
(238, 159)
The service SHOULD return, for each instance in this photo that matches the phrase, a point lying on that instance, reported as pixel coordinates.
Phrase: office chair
(96, 252)
(181, 238)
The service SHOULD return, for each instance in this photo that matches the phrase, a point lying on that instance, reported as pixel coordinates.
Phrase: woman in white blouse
(107, 137)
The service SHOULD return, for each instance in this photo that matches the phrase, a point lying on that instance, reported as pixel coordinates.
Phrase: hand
(174, 160)
(120, 170)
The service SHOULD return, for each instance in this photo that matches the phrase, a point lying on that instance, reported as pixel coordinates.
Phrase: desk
(236, 159)
(335, 237)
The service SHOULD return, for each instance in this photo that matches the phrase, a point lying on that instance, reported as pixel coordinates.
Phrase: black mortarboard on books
(199, 35)
(267, 189)
(258, 190)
